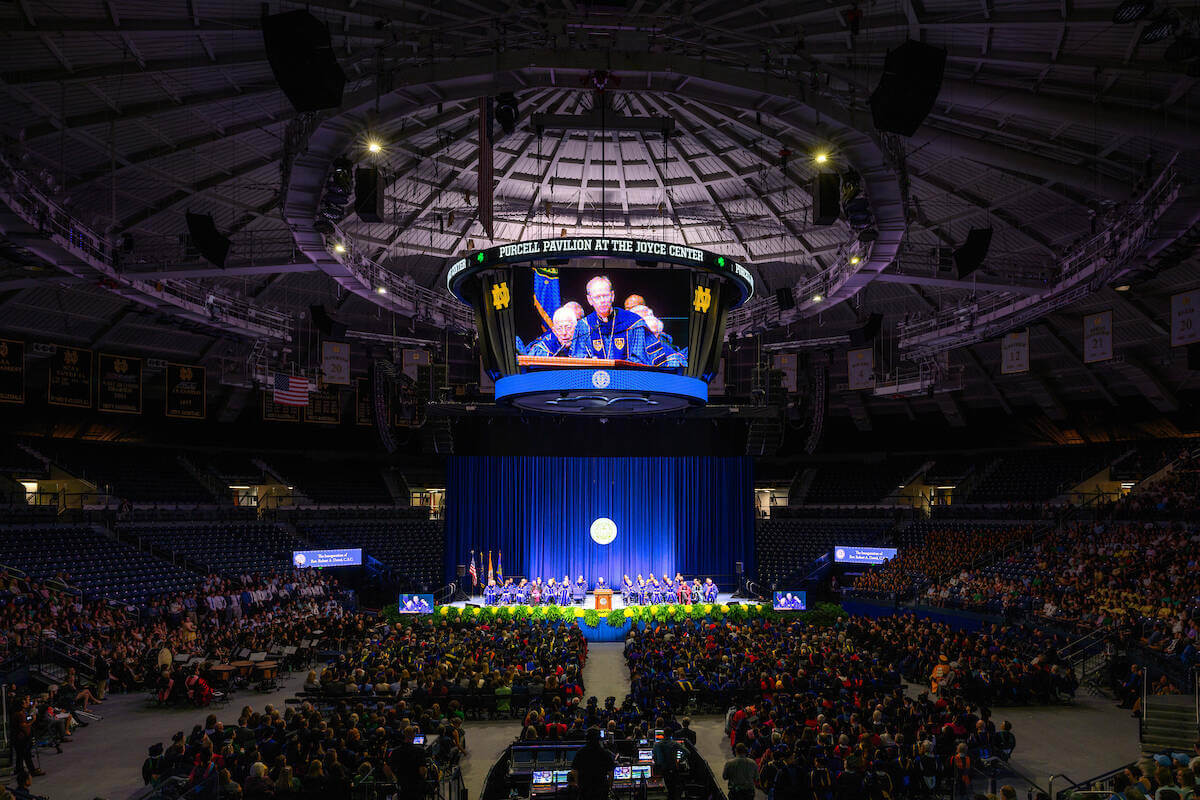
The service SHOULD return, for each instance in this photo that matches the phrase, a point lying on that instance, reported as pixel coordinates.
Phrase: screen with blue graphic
(346, 557)
(635, 317)
(848, 554)
(415, 604)
(793, 600)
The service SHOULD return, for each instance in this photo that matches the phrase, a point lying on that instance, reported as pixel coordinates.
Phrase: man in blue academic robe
(506, 592)
(566, 339)
(613, 332)
(490, 594)
(564, 591)
(580, 589)
(710, 591)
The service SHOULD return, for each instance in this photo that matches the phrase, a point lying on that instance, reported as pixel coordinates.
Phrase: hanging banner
(118, 384)
(184, 392)
(789, 365)
(1185, 318)
(70, 378)
(277, 412)
(364, 403)
(1098, 337)
(414, 359)
(335, 363)
(1014, 353)
(324, 406)
(860, 368)
(12, 371)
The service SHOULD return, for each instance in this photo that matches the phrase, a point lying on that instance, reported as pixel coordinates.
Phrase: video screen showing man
(556, 326)
(790, 601)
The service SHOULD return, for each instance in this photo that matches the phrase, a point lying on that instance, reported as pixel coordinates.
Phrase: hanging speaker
(826, 197)
(867, 333)
(970, 256)
(207, 240)
(302, 59)
(329, 327)
(368, 194)
(908, 88)
(785, 299)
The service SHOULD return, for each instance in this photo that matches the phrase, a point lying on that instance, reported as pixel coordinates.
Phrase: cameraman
(23, 718)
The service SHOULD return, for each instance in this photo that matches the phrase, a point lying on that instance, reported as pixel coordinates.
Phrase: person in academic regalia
(710, 591)
(670, 592)
(535, 592)
(490, 594)
(685, 589)
(581, 587)
(506, 592)
(550, 594)
(564, 591)
(614, 333)
(656, 592)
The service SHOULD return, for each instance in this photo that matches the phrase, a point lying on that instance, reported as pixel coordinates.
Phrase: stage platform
(590, 601)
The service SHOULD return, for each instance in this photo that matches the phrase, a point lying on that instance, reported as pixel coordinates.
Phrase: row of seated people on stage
(635, 592)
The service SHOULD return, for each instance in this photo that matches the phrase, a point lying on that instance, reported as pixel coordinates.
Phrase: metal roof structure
(1053, 123)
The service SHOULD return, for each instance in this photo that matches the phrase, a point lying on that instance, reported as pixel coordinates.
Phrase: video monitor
(850, 554)
(658, 736)
(622, 773)
(640, 772)
(561, 776)
(415, 604)
(346, 557)
(645, 755)
(419, 738)
(587, 325)
(789, 600)
(543, 777)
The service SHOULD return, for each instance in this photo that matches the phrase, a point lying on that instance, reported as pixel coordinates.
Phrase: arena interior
(573, 400)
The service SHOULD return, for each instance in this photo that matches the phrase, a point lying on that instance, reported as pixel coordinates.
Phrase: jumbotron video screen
(598, 325)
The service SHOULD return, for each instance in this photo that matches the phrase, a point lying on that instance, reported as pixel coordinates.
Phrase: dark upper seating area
(858, 483)
(334, 481)
(227, 468)
(415, 549)
(18, 462)
(783, 546)
(94, 562)
(1040, 474)
(227, 547)
(132, 472)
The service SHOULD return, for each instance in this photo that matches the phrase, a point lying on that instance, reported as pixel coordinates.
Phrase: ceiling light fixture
(1131, 11)
(818, 297)
(1124, 287)
(855, 259)
(1160, 29)
(374, 146)
(821, 157)
(339, 248)
(380, 290)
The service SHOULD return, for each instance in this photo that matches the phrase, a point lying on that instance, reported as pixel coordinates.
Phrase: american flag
(290, 390)
(474, 574)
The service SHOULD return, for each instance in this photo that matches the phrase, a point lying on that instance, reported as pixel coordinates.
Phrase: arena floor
(105, 759)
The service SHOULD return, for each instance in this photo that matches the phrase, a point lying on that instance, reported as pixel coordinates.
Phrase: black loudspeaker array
(867, 333)
(970, 256)
(368, 194)
(785, 299)
(207, 240)
(826, 197)
(908, 88)
(302, 58)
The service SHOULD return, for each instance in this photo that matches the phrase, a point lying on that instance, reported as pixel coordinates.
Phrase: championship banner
(1185, 324)
(788, 364)
(1014, 353)
(1098, 337)
(335, 363)
(860, 368)
(364, 403)
(184, 393)
(278, 412)
(324, 406)
(70, 378)
(119, 384)
(12, 371)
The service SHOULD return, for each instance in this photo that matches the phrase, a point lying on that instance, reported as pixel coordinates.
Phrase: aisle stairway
(1169, 724)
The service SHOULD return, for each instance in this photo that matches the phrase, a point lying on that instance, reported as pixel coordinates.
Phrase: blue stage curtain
(677, 514)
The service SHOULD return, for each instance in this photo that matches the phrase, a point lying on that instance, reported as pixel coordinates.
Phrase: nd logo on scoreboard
(500, 296)
(703, 299)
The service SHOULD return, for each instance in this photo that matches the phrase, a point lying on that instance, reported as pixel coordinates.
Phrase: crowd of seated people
(1173, 496)
(943, 552)
(390, 708)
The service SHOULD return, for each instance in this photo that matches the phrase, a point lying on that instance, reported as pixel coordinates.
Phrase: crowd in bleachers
(1172, 496)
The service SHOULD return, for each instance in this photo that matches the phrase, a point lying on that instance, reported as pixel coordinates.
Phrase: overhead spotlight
(1184, 48)
(380, 290)
(821, 157)
(818, 297)
(1160, 29)
(854, 259)
(1122, 287)
(1131, 11)
(373, 146)
(507, 111)
(339, 248)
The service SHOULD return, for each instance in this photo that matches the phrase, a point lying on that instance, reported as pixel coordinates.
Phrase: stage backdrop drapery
(693, 515)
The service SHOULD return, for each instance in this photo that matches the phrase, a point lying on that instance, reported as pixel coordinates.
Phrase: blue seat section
(783, 546)
(226, 547)
(413, 548)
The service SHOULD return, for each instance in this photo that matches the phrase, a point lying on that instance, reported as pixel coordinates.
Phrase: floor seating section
(783, 546)
(415, 549)
(94, 561)
(226, 547)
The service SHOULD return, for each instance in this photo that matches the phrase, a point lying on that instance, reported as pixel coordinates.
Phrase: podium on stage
(604, 600)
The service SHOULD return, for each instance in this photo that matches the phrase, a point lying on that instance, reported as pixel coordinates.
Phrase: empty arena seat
(227, 547)
(132, 472)
(783, 546)
(413, 548)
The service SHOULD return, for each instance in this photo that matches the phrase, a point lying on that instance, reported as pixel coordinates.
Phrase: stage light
(854, 259)
(1124, 287)
(1160, 29)
(1131, 11)
(821, 157)
(339, 248)
(818, 297)
(374, 146)
(380, 290)
(507, 111)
